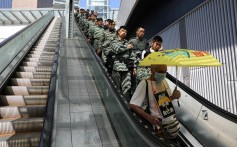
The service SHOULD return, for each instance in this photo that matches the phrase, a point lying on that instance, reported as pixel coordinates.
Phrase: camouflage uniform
(98, 33)
(104, 43)
(82, 20)
(84, 26)
(139, 46)
(121, 73)
(91, 32)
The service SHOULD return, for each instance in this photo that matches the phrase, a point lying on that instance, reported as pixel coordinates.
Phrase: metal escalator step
(38, 47)
(37, 59)
(45, 49)
(21, 125)
(40, 56)
(42, 52)
(51, 46)
(35, 69)
(30, 64)
(29, 82)
(32, 75)
(37, 64)
(30, 139)
(25, 90)
(53, 40)
(22, 111)
(19, 100)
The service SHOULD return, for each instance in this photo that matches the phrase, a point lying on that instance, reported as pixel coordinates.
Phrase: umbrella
(180, 57)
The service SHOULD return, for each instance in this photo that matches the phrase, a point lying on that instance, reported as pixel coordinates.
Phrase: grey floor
(80, 117)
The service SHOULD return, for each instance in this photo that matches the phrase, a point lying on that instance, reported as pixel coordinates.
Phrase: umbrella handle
(177, 99)
(176, 83)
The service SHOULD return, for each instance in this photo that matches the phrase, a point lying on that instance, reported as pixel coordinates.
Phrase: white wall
(7, 31)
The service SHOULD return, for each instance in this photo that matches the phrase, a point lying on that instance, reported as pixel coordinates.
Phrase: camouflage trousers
(96, 44)
(122, 80)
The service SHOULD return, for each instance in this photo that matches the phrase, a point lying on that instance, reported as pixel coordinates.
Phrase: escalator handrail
(202, 100)
(18, 33)
(127, 110)
(46, 133)
(147, 132)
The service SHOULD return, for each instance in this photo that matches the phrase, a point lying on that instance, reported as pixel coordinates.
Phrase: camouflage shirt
(98, 32)
(106, 39)
(139, 46)
(121, 54)
(91, 30)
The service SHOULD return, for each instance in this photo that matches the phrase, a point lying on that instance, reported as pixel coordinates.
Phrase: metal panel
(171, 38)
(6, 4)
(212, 28)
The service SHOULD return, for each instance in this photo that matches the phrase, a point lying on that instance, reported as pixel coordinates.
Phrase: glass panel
(207, 126)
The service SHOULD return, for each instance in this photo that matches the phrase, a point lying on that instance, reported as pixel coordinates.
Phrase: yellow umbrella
(180, 57)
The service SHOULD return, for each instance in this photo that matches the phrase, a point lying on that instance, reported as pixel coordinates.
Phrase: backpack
(147, 52)
(169, 129)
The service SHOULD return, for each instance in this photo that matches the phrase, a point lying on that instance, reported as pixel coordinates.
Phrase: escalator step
(42, 56)
(37, 64)
(22, 111)
(25, 90)
(20, 125)
(20, 140)
(29, 82)
(42, 53)
(32, 75)
(48, 49)
(35, 69)
(37, 59)
(19, 100)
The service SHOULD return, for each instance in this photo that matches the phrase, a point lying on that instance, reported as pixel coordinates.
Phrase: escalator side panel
(206, 126)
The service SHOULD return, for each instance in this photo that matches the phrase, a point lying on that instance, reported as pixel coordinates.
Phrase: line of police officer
(119, 55)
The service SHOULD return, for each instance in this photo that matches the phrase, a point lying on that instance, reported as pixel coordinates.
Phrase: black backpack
(147, 52)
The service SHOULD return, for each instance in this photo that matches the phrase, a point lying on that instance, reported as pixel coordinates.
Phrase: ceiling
(20, 17)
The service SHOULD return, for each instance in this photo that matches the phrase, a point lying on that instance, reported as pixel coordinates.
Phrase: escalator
(195, 114)
(24, 101)
(24, 96)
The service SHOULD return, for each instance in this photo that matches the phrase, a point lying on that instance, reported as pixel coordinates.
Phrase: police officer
(123, 54)
(104, 43)
(139, 44)
(97, 34)
(92, 25)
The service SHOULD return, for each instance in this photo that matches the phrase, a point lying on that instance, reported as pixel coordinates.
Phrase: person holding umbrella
(161, 113)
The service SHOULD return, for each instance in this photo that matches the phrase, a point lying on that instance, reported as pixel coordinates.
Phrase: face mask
(159, 77)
